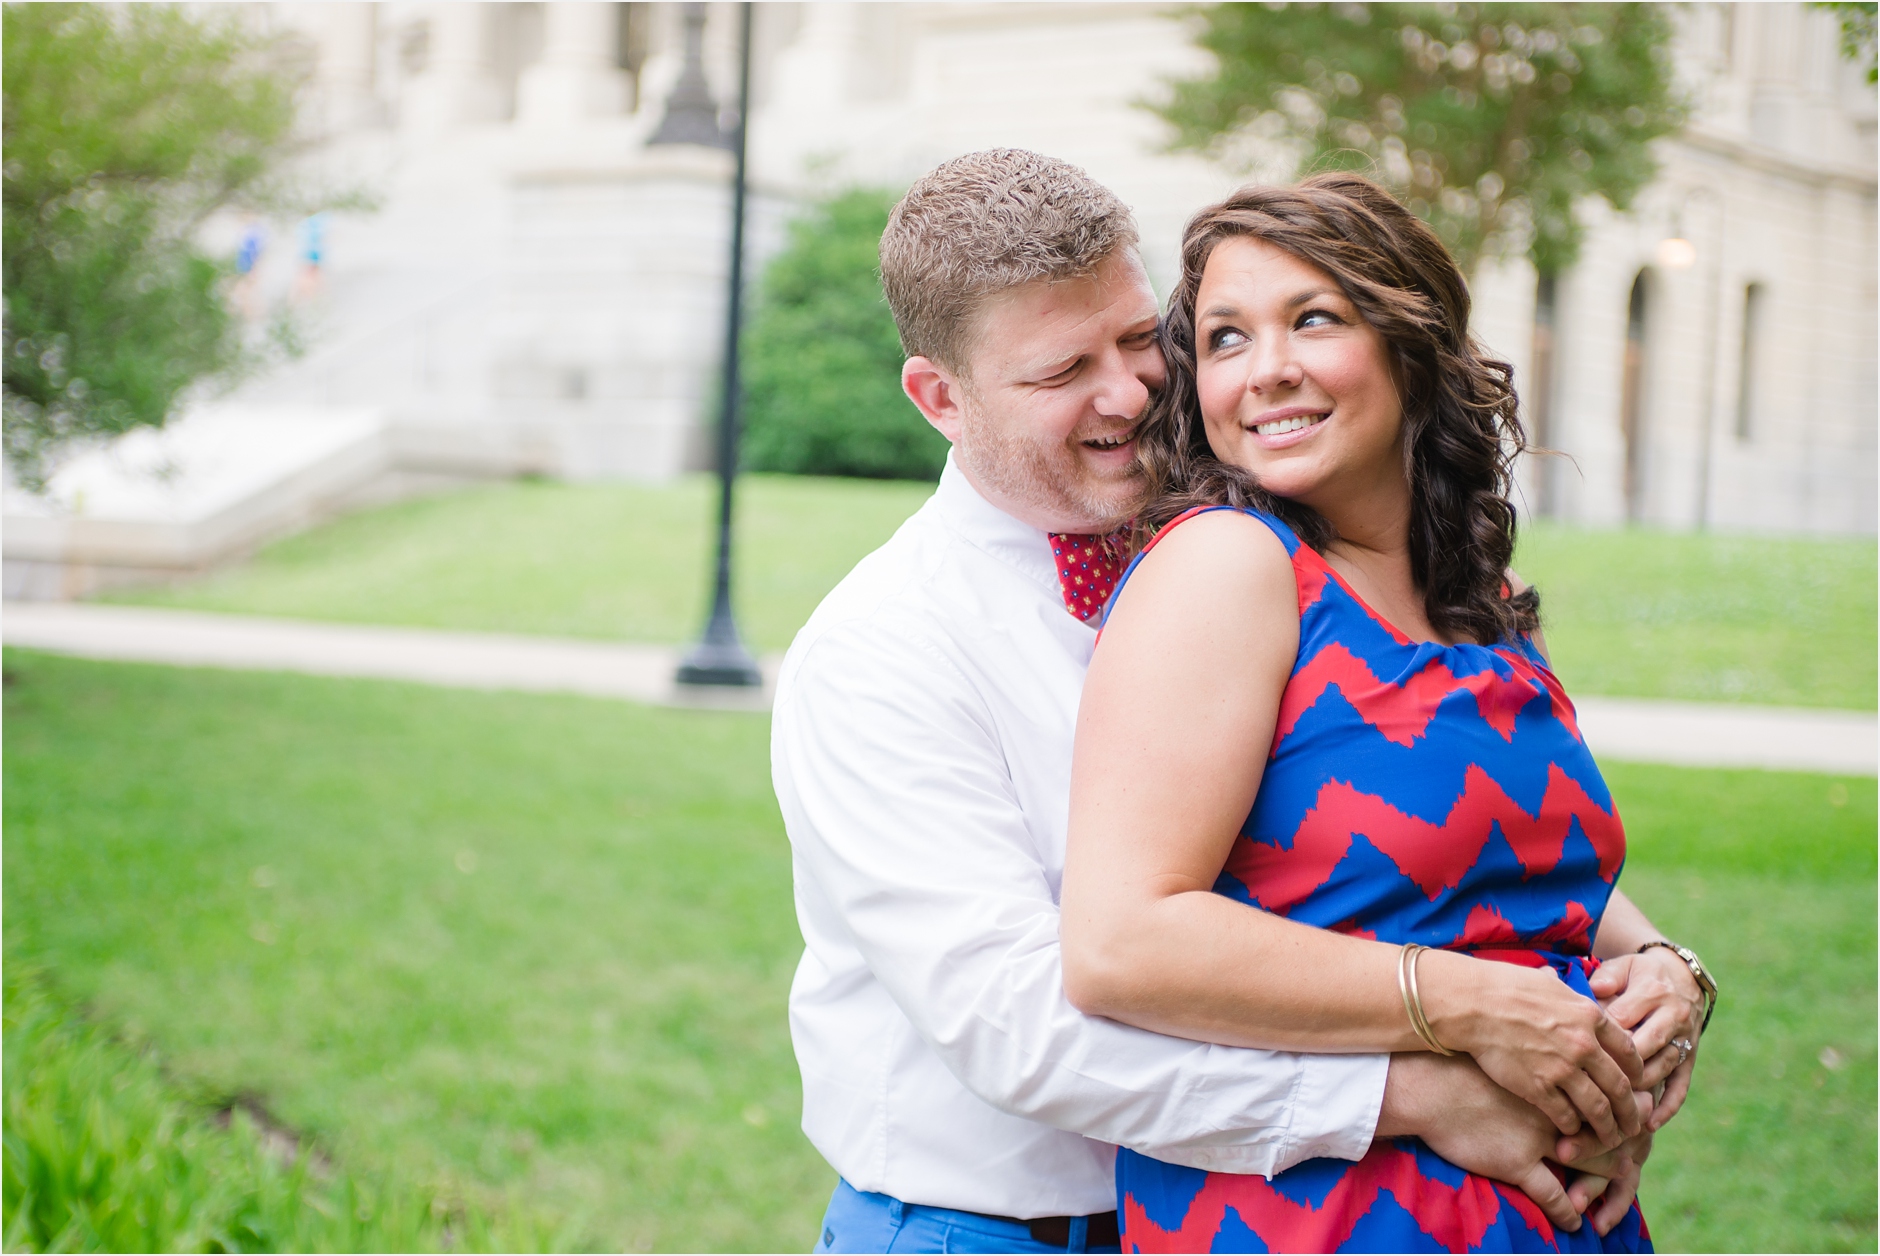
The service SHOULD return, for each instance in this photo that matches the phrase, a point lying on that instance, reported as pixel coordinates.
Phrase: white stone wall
(542, 291)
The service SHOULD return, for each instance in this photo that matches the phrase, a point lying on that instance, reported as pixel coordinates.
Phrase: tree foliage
(1859, 19)
(822, 359)
(125, 126)
(1489, 120)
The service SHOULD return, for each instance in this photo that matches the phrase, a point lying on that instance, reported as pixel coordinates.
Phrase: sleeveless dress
(1416, 792)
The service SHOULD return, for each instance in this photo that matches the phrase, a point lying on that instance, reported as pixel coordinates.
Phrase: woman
(1320, 692)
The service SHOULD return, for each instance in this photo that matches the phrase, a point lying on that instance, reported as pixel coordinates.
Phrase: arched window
(1632, 395)
(1746, 374)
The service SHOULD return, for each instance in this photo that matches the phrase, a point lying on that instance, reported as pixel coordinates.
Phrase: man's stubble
(1048, 478)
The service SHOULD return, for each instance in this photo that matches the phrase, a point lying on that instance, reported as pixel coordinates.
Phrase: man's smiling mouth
(1115, 441)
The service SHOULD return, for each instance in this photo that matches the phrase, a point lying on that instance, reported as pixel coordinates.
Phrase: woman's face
(1294, 385)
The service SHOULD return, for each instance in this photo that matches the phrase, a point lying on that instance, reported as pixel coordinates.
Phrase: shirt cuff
(1335, 1110)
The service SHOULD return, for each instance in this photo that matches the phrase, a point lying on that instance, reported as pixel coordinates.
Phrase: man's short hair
(981, 224)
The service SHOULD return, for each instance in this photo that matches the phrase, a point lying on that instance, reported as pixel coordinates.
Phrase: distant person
(921, 750)
(253, 243)
(312, 257)
(1325, 625)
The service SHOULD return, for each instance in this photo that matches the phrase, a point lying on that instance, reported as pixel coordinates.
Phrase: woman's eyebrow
(1221, 311)
(1312, 294)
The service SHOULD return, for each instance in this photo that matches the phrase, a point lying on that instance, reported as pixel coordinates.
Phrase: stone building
(540, 289)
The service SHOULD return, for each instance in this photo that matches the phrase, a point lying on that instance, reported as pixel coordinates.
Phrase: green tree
(125, 126)
(1490, 120)
(822, 360)
(1858, 19)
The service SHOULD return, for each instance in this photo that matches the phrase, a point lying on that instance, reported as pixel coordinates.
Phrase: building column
(459, 84)
(577, 77)
(348, 45)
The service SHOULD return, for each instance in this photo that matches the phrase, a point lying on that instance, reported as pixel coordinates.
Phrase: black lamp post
(719, 657)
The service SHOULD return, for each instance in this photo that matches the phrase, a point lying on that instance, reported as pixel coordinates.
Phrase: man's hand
(1610, 1181)
(1477, 1126)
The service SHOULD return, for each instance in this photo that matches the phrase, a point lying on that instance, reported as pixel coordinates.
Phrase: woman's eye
(1225, 338)
(1319, 318)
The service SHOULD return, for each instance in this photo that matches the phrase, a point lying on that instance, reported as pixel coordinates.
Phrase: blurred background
(383, 342)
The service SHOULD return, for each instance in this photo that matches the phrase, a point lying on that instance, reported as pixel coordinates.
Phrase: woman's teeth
(1280, 427)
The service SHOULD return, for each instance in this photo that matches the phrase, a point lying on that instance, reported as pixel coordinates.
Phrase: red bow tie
(1088, 568)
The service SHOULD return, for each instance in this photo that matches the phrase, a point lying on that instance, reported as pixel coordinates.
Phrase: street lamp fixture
(719, 657)
(1676, 253)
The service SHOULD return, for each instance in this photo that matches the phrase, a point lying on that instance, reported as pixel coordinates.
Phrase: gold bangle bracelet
(1413, 998)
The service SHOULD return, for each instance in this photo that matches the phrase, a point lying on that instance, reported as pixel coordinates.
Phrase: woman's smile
(1279, 429)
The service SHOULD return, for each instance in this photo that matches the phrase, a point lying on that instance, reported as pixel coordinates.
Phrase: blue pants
(864, 1222)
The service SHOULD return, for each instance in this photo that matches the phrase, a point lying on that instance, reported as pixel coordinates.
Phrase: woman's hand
(1655, 997)
(1539, 1038)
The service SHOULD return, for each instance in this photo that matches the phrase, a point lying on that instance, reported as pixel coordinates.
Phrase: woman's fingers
(1613, 1070)
(1660, 1067)
(1659, 1030)
(1620, 1048)
(1583, 1150)
(1559, 1109)
(1545, 1190)
(1675, 1091)
(1598, 1110)
(1611, 977)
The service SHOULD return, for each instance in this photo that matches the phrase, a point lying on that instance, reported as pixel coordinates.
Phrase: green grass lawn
(579, 560)
(1712, 618)
(1715, 618)
(527, 950)
(104, 1152)
(532, 953)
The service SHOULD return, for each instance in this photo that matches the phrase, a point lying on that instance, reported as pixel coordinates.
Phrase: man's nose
(1123, 389)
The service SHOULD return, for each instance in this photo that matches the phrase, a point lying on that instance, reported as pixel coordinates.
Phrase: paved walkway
(1687, 733)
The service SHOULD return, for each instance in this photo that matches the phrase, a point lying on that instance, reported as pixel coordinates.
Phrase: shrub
(822, 360)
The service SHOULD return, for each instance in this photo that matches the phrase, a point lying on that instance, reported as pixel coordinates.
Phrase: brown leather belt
(1100, 1231)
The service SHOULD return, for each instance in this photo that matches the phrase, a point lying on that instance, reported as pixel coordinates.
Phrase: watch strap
(1706, 984)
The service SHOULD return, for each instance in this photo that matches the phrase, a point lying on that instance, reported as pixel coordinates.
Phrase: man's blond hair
(984, 223)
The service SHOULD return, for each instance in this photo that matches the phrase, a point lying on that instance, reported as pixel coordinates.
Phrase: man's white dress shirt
(921, 748)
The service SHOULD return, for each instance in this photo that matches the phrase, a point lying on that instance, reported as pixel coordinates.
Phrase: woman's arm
(1177, 719)
(1654, 995)
(1651, 993)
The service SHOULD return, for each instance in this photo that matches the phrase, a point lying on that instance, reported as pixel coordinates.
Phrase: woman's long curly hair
(1462, 429)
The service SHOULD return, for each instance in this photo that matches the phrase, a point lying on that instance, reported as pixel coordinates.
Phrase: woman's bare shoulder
(1221, 540)
(1223, 556)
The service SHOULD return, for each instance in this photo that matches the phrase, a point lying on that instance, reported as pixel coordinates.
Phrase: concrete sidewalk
(1690, 734)
(470, 660)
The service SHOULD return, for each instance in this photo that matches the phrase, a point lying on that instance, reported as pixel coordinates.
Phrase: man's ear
(935, 392)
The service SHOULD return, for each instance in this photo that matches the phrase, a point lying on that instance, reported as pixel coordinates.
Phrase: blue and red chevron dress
(1416, 792)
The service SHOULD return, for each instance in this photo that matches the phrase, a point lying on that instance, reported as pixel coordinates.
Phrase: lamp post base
(720, 657)
(711, 665)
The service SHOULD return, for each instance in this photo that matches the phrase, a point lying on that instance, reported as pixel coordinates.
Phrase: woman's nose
(1275, 368)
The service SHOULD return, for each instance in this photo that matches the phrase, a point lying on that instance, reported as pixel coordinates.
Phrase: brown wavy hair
(1462, 427)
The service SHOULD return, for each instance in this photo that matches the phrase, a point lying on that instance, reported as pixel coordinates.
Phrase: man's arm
(1476, 1125)
(893, 783)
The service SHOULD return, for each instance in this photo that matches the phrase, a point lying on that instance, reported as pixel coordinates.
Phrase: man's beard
(1051, 478)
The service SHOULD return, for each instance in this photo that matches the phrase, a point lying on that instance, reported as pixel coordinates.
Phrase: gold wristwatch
(1705, 981)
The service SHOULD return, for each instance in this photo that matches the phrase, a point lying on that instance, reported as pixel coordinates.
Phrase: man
(921, 751)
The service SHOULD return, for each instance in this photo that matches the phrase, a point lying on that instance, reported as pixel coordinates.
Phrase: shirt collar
(985, 527)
